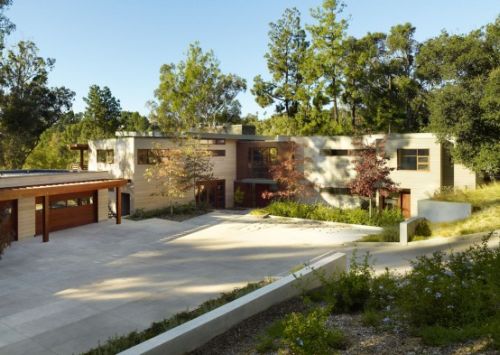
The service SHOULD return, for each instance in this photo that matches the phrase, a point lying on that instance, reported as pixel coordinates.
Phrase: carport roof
(62, 188)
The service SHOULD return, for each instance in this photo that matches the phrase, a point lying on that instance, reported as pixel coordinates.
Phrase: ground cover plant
(321, 212)
(444, 299)
(121, 343)
(176, 213)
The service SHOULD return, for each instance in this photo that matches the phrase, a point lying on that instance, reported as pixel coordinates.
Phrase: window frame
(421, 156)
(108, 158)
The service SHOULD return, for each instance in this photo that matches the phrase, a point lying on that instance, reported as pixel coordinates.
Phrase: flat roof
(31, 172)
(202, 135)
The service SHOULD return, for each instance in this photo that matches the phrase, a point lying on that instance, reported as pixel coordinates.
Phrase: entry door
(8, 220)
(405, 203)
(211, 193)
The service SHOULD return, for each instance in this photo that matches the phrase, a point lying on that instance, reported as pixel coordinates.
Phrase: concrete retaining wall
(407, 229)
(442, 211)
(198, 331)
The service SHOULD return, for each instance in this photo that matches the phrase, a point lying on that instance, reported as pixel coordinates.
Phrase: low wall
(193, 334)
(443, 211)
(407, 229)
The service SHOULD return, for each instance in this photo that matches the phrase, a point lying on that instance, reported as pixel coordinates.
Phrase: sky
(123, 43)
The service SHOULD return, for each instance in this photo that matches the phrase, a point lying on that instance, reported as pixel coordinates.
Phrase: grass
(480, 198)
(120, 343)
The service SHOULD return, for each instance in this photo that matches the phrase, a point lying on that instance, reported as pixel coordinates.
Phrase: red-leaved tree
(372, 175)
(288, 172)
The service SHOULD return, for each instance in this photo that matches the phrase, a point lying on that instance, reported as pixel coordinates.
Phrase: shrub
(309, 334)
(184, 209)
(322, 212)
(423, 229)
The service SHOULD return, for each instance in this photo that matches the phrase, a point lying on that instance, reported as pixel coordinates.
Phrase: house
(421, 165)
(37, 202)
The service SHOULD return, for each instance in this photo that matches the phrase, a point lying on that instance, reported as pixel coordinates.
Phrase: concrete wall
(337, 171)
(143, 194)
(102, 200)
(196, 332)
(463, 177)
(26, 217)
(443, 211)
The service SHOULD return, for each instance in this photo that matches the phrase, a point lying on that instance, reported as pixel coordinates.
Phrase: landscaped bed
(178, 213)
(485, 201)
(445, 305)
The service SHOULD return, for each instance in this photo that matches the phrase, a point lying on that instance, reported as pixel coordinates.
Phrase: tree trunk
(370, 208)
(171, 209)
(353, 115)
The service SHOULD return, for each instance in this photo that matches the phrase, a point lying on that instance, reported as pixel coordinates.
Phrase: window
(213, 141)
(150, 156)
(260, 159)
(58, 204)
(336, 190)
(340, 152)
(218, 152)
(106, 156)
(413, 159)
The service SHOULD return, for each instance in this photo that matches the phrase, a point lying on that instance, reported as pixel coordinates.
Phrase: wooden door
(211, 193)
(8, 220)
(405, 203)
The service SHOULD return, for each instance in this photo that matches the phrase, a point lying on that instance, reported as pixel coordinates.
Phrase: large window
(106, 156)
(150, 156)
(260, 159)
(413, 159)
(213, 141)
(218, 152)
(340, 152)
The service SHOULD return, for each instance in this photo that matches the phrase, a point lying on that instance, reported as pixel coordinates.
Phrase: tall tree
(327, 36)
(463, 76)
(285, 58)
(6, 26)
(195, 92)
(102, 113)
(28, 106)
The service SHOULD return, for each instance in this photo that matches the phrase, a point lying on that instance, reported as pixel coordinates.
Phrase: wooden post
(118, 205)
(81, 159)
(46, 218)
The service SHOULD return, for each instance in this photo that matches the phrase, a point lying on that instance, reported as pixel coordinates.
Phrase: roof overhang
(56, 189)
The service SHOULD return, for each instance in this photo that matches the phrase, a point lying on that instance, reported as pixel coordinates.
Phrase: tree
(195, 92)
(197, 165)
(133, 122)
(27, 106)
(372, 175)
(462, 75)
(327, 37)
(285, 58)
(6, 26)
(102, 114)
(168, 174)
(288, 172)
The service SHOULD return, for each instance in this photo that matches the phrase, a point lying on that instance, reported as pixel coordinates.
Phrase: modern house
(421, 165)
(37, 202)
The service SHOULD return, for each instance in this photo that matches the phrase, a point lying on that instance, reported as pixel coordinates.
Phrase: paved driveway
(95, 281)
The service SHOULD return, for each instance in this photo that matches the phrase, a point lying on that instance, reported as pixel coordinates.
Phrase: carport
(58, 206)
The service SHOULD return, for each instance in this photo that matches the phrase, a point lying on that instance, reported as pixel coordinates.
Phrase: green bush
(322, 212)
(423, 229)
(309, 334)
(185, 209)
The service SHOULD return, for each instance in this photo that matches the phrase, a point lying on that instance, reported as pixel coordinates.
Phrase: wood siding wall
(26, 217)
(102, 205)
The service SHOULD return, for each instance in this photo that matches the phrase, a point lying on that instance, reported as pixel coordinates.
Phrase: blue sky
(123, 43)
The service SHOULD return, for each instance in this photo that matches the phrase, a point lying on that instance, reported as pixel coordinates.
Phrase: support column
(118, 205)
(81, 160)
(46, 219)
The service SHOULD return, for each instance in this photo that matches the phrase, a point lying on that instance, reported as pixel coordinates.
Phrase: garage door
(67, 211)
(8, 219)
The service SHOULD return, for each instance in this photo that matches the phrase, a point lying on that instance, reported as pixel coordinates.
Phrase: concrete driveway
(92, 282)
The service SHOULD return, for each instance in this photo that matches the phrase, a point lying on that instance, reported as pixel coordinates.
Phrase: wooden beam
(81, 160)
(46, 218)
(118, 205)
(57, 189)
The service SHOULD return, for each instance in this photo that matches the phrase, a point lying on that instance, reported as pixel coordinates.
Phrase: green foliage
(6, 26)
(309, 334)
(102, 112)
(239, 196)
(133, 122)
(195, 92)
(120, 343)
(323, 212)
(390, 233)
(285, 57)
(28, 106)
(423, 229)
(186, 209)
